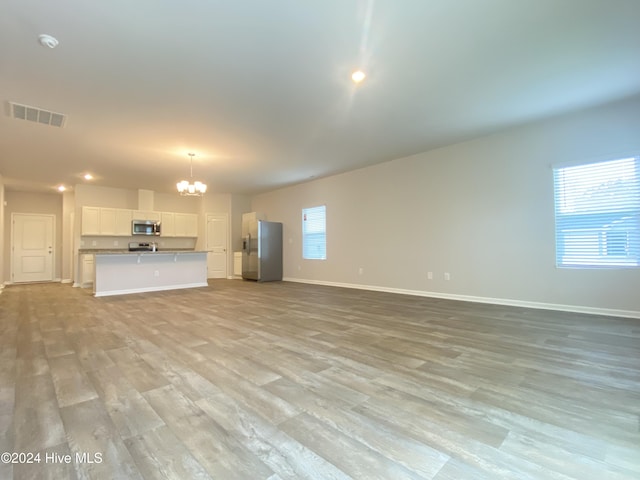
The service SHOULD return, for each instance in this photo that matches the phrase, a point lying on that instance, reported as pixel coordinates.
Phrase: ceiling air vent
(37, 115)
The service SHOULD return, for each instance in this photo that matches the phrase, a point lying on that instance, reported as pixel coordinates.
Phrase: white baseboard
(66, 280)
(469, 298)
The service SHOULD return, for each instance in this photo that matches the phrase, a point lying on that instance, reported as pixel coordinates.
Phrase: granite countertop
(124, 251)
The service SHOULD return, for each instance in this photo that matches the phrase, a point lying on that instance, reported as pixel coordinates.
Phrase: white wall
(172, 202)
(108, 197)
(481, 210)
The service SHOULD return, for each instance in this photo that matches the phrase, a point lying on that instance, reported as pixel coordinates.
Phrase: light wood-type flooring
(242, 380)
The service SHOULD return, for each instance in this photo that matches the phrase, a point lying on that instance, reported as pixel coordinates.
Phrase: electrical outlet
(429, 275)
(156, 273)
(447, 276)
(360, 271)
(94, 243)
(116, 243)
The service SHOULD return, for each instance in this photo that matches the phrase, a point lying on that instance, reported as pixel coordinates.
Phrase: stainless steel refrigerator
(261, 249)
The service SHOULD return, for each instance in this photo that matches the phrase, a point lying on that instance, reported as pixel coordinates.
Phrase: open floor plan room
(242, 380)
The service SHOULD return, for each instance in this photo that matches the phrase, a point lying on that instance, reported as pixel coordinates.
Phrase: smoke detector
(47, 41)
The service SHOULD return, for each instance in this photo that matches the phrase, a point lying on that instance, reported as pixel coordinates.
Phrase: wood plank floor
(289, 381)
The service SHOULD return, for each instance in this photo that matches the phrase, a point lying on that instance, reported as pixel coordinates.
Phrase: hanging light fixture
(192, 189)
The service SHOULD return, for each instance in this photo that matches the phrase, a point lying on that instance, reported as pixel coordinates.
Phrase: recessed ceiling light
(358, 76)
(61, 188)
(88, 176)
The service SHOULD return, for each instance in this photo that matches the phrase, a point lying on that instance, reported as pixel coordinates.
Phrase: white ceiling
(261, 92)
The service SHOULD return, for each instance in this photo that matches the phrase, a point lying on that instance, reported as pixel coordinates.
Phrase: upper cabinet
(106, 221)
(90, 221)
(123, 222)
(168, 224)
(186, 225)
(146, 215)
(179, 224)
(116, 222)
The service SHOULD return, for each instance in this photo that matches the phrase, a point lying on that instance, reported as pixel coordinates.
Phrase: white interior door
(32, 247)
(217, 239)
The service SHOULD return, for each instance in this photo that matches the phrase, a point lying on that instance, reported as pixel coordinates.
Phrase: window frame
(307, 243)
(589, 231)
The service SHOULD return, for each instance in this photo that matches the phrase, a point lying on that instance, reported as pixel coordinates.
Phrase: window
(598, 214)
(314, 236)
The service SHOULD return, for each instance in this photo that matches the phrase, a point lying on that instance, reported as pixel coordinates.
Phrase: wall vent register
(37, 115)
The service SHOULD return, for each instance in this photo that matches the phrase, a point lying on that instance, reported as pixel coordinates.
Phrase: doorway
(217, 240)
(32, 247)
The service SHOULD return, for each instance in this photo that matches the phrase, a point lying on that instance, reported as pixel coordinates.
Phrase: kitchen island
(118, 273)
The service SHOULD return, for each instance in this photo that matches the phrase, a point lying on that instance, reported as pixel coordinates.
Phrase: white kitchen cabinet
(237, 264)
(123, 222)
(179, 224)
(90, 221)
(106, 221)
(168, 224)
(146, 215)
(87, 266)
(116, 222)
(186, 225)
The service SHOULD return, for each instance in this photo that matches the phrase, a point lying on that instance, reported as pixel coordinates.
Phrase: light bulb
(358, 76)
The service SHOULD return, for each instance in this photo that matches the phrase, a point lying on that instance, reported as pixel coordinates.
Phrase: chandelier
(192, 189)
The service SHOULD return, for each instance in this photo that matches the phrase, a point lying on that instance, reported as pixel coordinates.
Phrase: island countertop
(124, 251)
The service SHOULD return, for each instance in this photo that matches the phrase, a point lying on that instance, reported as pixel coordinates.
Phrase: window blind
(597, 210)
(314, 237)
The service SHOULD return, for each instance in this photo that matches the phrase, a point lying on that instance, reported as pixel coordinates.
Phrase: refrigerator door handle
(248, 244)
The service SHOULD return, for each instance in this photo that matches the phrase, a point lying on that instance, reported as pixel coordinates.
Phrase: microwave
(145, 227)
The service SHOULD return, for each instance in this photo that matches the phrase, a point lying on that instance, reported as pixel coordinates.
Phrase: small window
(314, 236)
(597, 210)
